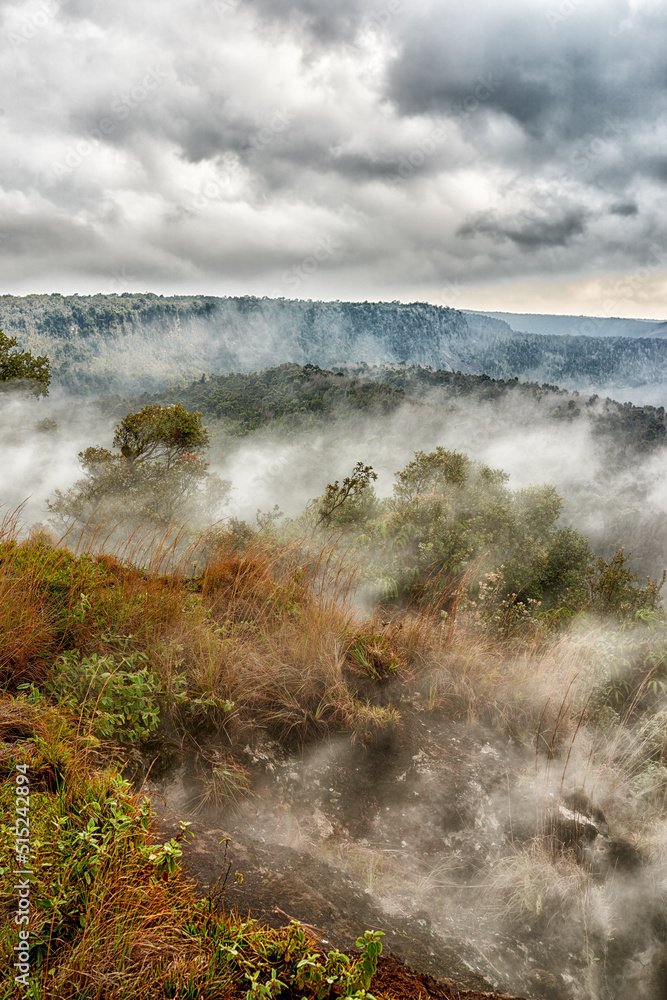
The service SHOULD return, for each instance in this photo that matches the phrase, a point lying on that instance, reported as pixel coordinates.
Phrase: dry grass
(272, 630)
(269, 637)
(537, 882)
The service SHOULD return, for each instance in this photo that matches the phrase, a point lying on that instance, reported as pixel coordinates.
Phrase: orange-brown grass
(532, 691)
(110, 914)
(271, 630)
(267, 628)
(52, 600)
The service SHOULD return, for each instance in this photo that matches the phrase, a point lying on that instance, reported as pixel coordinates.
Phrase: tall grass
(111, 916)
(271, 629)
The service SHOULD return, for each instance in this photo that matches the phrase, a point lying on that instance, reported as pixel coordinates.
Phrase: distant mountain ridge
(142, 342)
(576, 326)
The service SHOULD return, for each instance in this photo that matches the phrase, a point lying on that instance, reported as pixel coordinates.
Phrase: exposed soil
(280, 884)
(406, 837)
(396, 981)
(336, 918)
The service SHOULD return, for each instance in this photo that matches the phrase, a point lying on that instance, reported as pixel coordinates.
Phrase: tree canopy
(21, 370)
(157, 475)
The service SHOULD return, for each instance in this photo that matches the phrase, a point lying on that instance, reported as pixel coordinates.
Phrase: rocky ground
(424, 836)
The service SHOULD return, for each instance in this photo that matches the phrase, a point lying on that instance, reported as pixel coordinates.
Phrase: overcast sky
(499, 154)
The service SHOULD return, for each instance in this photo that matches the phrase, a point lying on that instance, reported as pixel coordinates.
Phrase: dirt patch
(280, 884)
(394, 980)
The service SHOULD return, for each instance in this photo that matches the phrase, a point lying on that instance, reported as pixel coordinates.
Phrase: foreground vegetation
(112, 917)
(95, 651)
(102, 657)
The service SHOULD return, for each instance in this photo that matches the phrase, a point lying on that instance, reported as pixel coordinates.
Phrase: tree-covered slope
(102, 343)
(290, 396)
(109, 343)
(294, 397)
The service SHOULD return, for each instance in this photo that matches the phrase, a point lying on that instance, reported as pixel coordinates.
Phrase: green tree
(161, 433)
(157, 475)
(431, 473)
(350, 502)
(449, 514)
(612, 589)
(20, 370)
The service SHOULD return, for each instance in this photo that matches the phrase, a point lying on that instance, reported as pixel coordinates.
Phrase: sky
(488, 155)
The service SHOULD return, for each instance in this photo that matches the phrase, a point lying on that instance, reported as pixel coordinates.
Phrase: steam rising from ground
(613, 506)
(522, 854)
(37, 457)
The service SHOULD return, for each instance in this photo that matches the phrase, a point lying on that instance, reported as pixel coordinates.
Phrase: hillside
(134, 343)
(573, 326)
(413, 770)
(291, 398)
(605, 457)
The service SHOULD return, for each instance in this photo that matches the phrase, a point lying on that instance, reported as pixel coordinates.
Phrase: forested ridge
(140, 342)
(293, 397)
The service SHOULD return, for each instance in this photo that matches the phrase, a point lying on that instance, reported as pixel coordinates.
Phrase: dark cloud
(656, 167)
(326, 20)
(625, 209)
(555, 79)
(532, 235)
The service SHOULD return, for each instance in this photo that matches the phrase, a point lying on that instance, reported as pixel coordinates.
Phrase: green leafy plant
(613, 591)
(118, 696)
(337, 974)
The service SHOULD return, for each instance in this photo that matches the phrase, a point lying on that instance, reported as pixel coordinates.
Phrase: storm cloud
(439, 151)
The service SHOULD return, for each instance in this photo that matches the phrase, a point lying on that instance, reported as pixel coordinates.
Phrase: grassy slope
(97, 652)
(112, 916)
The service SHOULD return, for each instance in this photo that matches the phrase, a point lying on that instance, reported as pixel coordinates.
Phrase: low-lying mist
(511, 810)
(612, 498)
